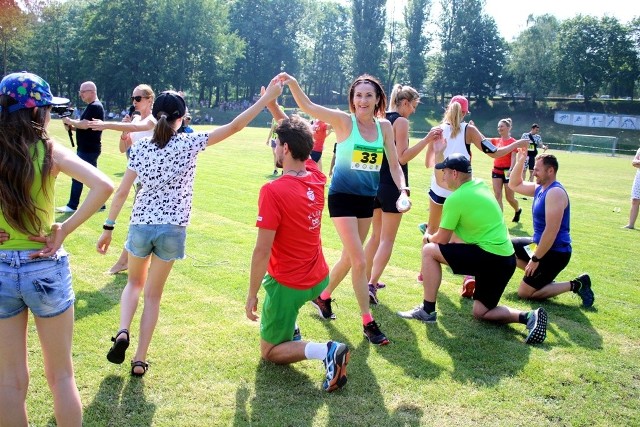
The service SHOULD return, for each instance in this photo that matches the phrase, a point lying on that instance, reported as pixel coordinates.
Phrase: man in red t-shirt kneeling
(289, 250)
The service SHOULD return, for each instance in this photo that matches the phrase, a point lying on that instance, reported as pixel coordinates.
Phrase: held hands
(52, 242)
(104, 241)
(274, 90)
(285, 78)
(251, 308)
(403, 204)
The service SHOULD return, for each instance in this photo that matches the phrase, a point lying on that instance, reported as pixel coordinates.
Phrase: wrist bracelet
(108, 227)
(109, 222)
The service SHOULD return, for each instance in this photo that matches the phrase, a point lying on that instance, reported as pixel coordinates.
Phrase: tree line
(223, 50)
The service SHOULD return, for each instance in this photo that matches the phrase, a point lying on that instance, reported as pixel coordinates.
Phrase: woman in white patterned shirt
(165, 165)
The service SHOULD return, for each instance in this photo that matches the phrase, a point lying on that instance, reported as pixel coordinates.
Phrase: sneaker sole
(539, 331)
(340, 379)
(332, 317)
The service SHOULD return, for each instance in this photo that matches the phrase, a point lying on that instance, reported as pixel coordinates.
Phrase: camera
(62, 110)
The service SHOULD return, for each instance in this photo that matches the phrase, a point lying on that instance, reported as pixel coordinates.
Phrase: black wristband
(535, 258)
(108, 227)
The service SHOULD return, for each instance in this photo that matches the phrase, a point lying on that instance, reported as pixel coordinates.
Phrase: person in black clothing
(88, 141)
(386, 217)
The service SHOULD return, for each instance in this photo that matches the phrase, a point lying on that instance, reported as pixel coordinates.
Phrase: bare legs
(380, 245)
(352, 231)
(55, 335)
(150, 274)
(14, 374)
(498, 185)
(435, 215)
(633, 213)
(121, 264)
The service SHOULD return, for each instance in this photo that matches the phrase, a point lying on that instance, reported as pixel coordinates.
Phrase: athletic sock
(325, 295)
(429, 306)
(367, 318)
(316, 350)
(524, 317)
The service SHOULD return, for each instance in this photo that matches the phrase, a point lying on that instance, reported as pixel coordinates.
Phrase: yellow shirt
(43, 198)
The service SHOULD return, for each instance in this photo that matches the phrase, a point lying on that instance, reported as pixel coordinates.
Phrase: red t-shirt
(504, 162)
(319, 135)
(292, 206)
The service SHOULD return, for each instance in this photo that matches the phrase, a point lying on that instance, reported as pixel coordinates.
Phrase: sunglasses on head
(138, 98)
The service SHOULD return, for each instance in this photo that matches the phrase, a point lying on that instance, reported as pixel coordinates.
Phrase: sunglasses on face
(138, 98)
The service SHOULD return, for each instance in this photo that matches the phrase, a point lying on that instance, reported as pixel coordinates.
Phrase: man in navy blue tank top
(545, 255)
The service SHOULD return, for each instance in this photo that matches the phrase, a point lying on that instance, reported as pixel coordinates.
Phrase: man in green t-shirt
(480, 247)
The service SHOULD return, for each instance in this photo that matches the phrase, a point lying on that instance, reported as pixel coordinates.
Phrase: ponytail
(163, 130)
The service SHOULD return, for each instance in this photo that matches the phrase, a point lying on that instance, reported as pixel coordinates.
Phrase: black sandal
(139, 364)
(119, 347)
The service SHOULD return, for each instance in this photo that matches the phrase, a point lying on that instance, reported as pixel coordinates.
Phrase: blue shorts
(438, 200)
(42, 284)
(166, 241)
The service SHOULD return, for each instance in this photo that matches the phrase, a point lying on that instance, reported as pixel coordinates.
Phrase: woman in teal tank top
(34, 269)
(362, 136)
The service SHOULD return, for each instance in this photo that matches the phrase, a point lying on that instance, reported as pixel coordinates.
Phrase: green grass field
(205, 367)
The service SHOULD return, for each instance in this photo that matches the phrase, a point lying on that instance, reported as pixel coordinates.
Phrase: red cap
(462, 101)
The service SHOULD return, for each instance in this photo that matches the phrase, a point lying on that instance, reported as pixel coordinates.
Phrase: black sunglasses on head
(138, 98)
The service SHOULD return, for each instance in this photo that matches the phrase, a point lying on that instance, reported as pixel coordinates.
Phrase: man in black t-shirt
(88, 141)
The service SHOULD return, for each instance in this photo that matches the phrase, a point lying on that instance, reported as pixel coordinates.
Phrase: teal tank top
(358, 163)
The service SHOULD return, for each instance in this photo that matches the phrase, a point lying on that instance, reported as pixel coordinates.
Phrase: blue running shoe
(336, 364)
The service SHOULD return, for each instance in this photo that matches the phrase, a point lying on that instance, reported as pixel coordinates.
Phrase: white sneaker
(64, 209)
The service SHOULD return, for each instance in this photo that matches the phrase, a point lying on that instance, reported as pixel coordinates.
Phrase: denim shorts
(166, 241)
(42, 284)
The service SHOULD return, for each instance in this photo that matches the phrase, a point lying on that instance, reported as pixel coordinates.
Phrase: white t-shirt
(166, 176)
(455, 145)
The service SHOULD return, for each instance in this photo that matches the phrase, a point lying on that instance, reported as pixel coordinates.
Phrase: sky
(511, 15)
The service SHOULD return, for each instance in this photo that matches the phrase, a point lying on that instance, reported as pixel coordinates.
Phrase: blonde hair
(507, 122)
(453, 116)
(147, 91)
(399, 92)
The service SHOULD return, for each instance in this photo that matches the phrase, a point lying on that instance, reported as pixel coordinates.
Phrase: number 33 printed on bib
(367, 158)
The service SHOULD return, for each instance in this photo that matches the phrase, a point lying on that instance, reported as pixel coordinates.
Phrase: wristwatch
(535, 258)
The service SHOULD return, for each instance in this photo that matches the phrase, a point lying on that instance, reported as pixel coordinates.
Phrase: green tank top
(20, 241)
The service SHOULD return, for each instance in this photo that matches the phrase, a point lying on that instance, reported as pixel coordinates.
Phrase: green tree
(472, 51)
(623, 59)
(369, 19)
(270, 38)
(532, 58)
(325, 45)
(14, 30)
(416, 15)
(583, 62)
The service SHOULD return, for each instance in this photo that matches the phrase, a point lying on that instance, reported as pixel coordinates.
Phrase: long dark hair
(22, 136)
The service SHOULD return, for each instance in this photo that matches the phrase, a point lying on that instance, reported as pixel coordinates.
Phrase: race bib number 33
(367, 158)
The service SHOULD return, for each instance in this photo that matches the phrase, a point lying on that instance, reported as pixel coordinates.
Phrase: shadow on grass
(567, 322)
(286, 396)
(120, 403)
(404, 351)
(483, 353)
(94, 302)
